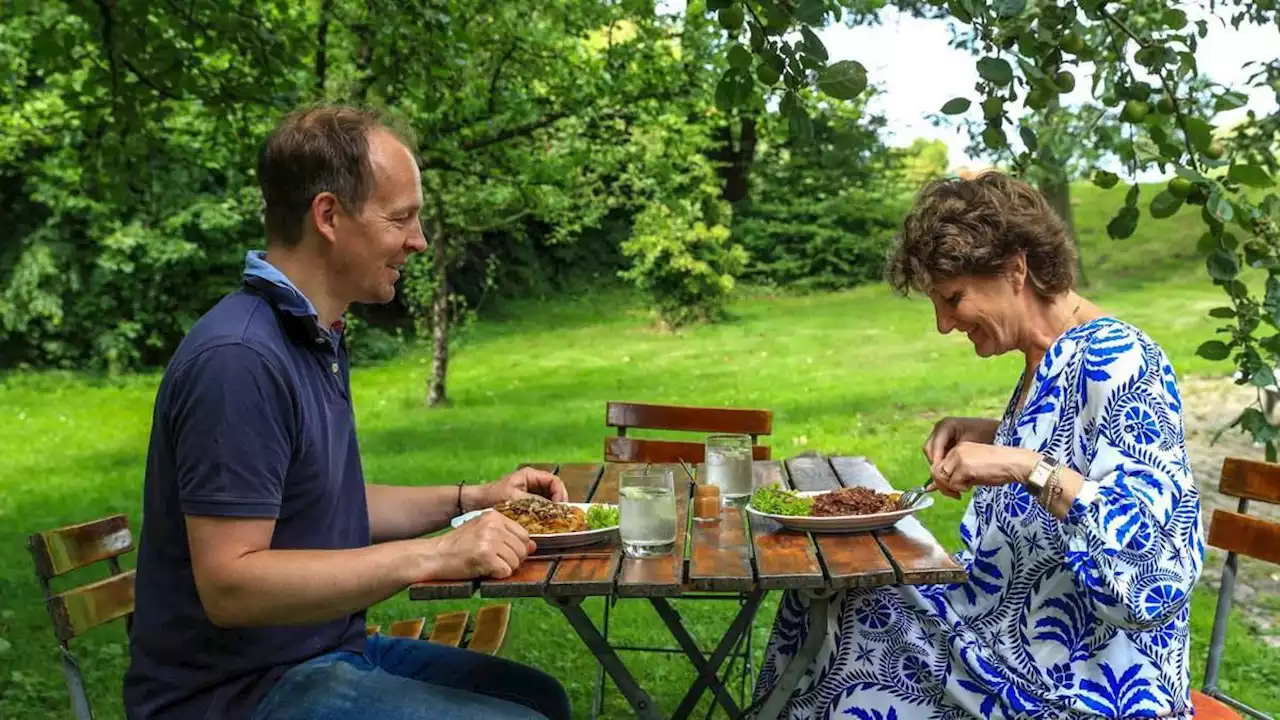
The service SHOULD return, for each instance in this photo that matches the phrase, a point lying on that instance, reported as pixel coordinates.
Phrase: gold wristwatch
(1040, 475)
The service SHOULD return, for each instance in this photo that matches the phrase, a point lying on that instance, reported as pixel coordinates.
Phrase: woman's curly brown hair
(964, 227)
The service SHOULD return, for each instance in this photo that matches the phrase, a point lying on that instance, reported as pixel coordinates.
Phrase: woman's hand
(952, 431)
(970, 464)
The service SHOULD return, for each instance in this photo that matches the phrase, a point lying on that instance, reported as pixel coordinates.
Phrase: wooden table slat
(853, 560)
(784, 558)
(592, 576)
(661, 576)
(720, 556)
(916, 555)
(530, 579)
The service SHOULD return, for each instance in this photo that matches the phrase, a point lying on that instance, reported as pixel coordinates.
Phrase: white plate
(842, 523)
(557, 540)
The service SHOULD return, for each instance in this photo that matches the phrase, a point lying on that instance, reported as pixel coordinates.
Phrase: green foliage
(821, 213)
(685, 264)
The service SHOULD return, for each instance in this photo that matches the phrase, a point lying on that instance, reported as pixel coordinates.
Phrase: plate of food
(556, 525)
(844, 510)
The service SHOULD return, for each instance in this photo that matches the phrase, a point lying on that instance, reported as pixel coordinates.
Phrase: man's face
(372, 246)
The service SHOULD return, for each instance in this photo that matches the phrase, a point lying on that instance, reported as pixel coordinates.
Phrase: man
(261, 544)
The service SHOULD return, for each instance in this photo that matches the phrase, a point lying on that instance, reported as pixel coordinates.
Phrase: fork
(913, 496)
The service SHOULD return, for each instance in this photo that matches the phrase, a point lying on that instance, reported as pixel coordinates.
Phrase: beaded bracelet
(1052, 488)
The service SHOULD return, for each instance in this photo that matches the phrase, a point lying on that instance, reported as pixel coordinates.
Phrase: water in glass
(647, 513)
(728, 459)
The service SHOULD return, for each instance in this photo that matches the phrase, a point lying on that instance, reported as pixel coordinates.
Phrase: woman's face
(987, 309)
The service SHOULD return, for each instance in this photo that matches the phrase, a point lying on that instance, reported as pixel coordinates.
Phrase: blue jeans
(403, 679)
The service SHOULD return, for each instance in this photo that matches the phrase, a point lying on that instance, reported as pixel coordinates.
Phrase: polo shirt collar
(281, 291)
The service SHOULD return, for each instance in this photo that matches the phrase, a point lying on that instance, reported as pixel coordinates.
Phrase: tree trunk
(439, 322)
(1058, 193)
(736, 159)
(322, 55)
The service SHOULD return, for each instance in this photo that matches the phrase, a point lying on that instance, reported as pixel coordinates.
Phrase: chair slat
(1246, 535)
(448, 628)
(1250, 479)
(409, 628)
(491, 629)
(693, 419)
(646, 450)
(59, 551)
(88, 606)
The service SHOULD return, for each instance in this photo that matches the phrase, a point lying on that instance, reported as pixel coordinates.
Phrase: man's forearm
(397, 512)
(294, 587)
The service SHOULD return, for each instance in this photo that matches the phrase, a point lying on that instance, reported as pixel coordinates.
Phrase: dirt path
(1209, 404)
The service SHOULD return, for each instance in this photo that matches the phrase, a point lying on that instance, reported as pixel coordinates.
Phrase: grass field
(858, 372)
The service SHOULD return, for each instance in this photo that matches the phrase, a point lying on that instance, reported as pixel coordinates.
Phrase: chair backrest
(627, 416)
(79, 609)
(1238, 533)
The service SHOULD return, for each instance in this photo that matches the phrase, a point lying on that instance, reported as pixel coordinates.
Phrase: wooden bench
(1238, 533)
(634, 416)
(81, 608)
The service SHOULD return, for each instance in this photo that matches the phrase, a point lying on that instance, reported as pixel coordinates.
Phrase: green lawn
(858, 372)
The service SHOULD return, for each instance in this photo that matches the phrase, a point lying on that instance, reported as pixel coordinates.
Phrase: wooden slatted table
(734, 554)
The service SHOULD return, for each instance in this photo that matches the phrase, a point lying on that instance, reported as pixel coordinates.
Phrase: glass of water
(728, 460)
(647, 512)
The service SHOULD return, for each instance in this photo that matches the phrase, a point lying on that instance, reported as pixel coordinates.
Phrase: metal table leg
(707, 670)
(639, 699)
(819, 602)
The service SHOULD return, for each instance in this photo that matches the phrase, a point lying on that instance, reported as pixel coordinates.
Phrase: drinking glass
(728, 460)
(647, 512)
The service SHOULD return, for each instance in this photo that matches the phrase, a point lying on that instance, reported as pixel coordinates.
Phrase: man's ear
(325, 210)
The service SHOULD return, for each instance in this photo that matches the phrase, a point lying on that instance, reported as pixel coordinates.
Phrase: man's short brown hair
(315, 149)
(962, 227)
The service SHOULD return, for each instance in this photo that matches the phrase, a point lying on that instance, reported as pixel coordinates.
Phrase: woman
(1083, 536)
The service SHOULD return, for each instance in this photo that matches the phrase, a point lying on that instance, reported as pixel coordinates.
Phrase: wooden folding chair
(82, 608)
(629, 416)
(451, 628)
(1239, 534)
(685, 418)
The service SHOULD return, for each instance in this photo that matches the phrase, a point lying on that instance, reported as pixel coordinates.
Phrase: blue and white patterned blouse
(1083, 617)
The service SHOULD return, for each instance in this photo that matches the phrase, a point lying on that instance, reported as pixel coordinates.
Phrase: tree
(1143, 54)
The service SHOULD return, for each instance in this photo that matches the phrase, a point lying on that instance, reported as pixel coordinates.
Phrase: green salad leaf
(774, 500)
(601, 516)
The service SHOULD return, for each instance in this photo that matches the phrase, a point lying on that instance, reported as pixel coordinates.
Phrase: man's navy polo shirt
(253, 418)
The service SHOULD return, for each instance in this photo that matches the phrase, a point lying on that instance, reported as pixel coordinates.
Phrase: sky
(909, 60)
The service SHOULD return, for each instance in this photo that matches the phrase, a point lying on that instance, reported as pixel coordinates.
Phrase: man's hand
(491, 545)
(523, 482)
(951, 431)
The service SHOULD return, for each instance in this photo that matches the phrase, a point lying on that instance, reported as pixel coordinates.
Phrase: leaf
(1200, 133)
(812, 45)
(956, 106)
(1250, 175)
(1207, 244)
(1009, 8)
(739, 57)
(1165, 205)
(1131, 197)
(1271, 301)
(1191, 175)
(1213, 350)
(1174, 19)
(801, 125)
(1219, 207)
(1124, 223)
(1230, 101)
(844, 80)
(1271, 206)
(726, 92)
(1222, 265)
(1029, 138)
(1105, 179)
(811, 12)
(718, 4)
(5, 646)
(995, 71)
(1262, 376)
(1222, 313)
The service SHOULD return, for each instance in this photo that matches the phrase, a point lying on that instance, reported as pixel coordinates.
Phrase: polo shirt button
(334, 368)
